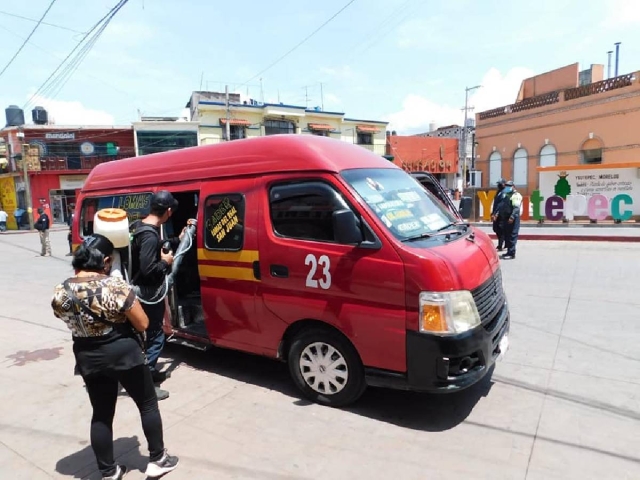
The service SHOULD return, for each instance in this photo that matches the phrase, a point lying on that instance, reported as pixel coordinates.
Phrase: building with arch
(565, 117)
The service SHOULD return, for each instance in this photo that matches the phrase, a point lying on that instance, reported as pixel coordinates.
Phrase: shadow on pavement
(82, 464)
(419, 411)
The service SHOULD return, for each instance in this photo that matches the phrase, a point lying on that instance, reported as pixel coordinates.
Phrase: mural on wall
(9, 201)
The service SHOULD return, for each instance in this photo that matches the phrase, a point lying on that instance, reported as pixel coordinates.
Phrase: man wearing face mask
(511, 214)
(495, 213)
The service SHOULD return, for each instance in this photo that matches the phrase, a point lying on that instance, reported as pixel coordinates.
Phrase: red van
(321, 254)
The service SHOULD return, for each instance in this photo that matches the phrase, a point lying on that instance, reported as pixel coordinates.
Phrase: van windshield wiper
(417, 237)
(466, 225)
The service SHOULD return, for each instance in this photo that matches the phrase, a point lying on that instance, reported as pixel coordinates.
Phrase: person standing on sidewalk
(149, 268)
(70, 234)
(42, 225)
(498, 227)
(3, 220)
(512, 207)
(105, 319)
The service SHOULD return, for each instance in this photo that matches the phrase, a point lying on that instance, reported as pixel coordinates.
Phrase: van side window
(137, 206)
(224, 222)
(305, 210)
(89, 209)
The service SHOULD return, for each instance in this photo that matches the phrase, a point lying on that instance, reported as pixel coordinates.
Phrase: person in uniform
(495, 213)
(511, 210)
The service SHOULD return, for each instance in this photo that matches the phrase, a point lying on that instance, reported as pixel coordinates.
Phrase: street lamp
(464, 136)
(25, 171)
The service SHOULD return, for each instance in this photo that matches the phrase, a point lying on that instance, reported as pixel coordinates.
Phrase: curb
(575, 238)
(22, 232)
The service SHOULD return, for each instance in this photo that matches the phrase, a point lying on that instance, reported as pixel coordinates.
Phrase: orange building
(438, 156)
(565, 117)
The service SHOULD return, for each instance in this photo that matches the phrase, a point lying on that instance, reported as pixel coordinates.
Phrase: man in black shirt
(150, 266)
(42, 225)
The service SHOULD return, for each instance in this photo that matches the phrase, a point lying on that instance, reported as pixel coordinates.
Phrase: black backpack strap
(140, 228)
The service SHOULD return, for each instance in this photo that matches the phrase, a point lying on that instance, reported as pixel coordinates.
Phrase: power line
(27, 39)
(42, 23)
(299, 44)
(45, 86)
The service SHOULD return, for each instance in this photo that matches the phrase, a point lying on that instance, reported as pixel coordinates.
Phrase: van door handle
(256, 270)
(279, 271)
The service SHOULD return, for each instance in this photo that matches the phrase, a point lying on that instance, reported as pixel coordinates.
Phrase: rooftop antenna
(321, 97)
(201, 79)
(261, 92)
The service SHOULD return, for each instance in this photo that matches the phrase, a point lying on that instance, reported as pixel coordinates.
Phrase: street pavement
(563, 404)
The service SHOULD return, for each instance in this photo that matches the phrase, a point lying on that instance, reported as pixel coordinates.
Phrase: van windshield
(400, 202)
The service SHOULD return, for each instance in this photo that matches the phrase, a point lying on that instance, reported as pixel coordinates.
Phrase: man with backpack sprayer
(150, 269)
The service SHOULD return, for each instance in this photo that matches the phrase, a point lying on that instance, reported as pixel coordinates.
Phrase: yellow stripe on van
(229, 273)
(243, 256)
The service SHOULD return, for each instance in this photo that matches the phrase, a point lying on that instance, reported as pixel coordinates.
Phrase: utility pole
(27, 184)
(227, 125)
(321, 97)
(463, 142)
(306, 97)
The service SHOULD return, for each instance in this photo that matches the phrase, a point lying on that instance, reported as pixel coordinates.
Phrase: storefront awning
(367, 129)
(320, 126)
(235, 121)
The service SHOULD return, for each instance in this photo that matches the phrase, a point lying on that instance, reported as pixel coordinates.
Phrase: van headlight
(447, 313)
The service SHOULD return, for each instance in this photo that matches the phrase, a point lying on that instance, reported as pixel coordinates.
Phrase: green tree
(562, 188)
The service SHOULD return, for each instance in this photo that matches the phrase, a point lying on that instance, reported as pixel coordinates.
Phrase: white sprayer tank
(113, 224)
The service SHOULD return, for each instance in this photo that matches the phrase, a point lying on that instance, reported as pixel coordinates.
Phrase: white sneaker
(160, 467)
(119, 475)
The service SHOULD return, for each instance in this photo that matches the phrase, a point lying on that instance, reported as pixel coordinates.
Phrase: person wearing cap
(511, 215)
(498, 224)
(150, 266)
(106, 318)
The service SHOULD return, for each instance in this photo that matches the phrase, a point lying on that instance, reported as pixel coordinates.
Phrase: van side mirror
(466, 204)
(346, 227)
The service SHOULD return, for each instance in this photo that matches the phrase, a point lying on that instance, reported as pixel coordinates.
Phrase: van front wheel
(326, 368)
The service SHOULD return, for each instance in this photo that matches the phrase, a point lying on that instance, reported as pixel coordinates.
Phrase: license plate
(503, 346)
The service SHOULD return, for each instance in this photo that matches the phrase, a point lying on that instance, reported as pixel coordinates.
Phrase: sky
(403, 61)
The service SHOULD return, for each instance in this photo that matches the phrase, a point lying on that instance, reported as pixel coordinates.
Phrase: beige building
(254, 119)
(562, 118)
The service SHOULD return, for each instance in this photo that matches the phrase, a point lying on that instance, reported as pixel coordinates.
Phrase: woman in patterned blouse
(104, 317)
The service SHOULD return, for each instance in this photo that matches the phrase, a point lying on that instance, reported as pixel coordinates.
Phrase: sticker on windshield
(386, 221)
(375, 198)
(409, 196)
(399, 214)
(433, 221)
(374, 185)
(409, 227)
(391, 204)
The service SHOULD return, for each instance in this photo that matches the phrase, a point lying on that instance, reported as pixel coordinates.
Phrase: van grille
(490, 299)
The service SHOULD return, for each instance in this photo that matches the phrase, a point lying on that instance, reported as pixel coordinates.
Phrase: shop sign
(60, 136)
(72, 182)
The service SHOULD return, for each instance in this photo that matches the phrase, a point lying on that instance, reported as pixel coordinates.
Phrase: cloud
(342, 72)
(418, 111)
(622, 13)
(73, 113)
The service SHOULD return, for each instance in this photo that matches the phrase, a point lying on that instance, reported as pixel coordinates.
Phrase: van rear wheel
(326, 368)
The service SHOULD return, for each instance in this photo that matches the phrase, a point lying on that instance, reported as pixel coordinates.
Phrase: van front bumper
(445, 364)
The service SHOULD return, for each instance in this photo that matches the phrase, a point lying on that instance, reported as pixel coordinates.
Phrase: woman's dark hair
(91, 254)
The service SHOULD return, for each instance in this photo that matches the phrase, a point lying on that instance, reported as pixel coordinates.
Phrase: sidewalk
(54, 228)
(572, 232)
